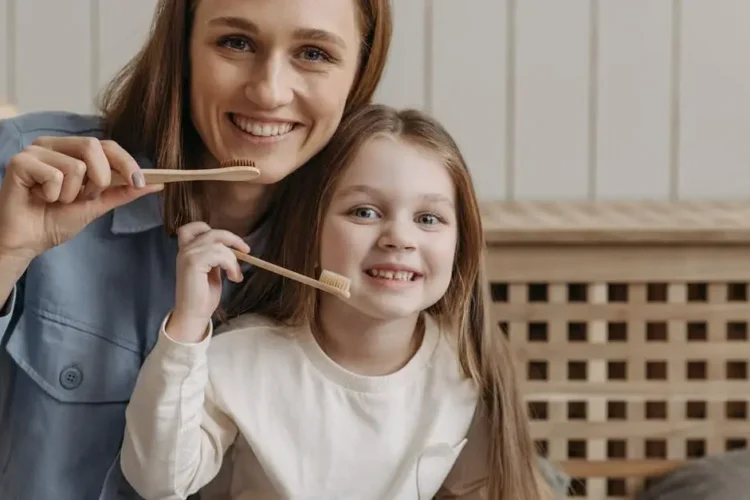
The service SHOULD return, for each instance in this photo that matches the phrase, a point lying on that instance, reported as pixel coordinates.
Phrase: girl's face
(391, 228)
(269, 79)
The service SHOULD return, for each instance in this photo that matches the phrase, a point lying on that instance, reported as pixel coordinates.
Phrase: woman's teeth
(262, 129)
(391, 275)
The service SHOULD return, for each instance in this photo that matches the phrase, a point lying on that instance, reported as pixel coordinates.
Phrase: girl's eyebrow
(438, 198)
(376, 193)
(361, 189)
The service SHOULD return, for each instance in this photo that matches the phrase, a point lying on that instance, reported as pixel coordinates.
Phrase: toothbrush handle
(161, 176)
(306, 280)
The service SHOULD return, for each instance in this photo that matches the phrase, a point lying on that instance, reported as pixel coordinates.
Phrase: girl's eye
(313, 54)
(364, 213)
(237, 43)
(428, 219)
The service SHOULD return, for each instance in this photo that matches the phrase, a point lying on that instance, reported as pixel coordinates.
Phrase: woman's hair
(146, 105)
(485, 356)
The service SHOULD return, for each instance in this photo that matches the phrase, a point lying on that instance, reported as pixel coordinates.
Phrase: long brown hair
(146, 105)
(483, 352)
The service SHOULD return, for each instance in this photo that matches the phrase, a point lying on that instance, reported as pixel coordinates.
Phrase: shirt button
(71, 377)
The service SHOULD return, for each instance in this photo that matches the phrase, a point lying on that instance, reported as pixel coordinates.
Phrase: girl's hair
(146, 105)
(485, 356)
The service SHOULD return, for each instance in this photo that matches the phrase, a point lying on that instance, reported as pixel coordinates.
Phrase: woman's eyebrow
(300, 33)
(319, 36)
(236, 22)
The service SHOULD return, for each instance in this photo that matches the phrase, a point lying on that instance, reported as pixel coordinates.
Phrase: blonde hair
(483, 351)
(146, 105)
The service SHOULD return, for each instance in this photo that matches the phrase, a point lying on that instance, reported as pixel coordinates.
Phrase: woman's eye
(237, 43)
(428, 219)
(313, 54)
(364, 213)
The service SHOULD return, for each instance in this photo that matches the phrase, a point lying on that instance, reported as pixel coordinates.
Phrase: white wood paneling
(53, 59)
(548, 99)
(403, 83)
(715, 99)
(551, 88)
(5, 47)
(633, 92)
(122, 29)
(473, 108)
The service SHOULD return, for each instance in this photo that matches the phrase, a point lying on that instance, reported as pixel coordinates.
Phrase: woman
(82, 266)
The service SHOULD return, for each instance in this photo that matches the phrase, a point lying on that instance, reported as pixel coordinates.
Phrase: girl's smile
(391, 229)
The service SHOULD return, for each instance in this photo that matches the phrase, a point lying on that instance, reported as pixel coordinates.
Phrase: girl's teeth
(261, 129)
(391, 275)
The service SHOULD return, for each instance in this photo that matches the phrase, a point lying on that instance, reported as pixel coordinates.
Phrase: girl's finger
(217, 255)
(226, 238)
(189, 232)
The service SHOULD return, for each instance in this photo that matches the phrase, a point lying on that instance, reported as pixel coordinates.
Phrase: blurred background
(550, 99)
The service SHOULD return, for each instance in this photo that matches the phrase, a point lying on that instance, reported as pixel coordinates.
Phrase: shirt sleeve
(175, 434)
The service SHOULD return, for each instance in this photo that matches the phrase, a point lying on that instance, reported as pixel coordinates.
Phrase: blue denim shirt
(72, 339)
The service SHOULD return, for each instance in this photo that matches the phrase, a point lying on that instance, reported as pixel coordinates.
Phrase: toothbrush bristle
(336, 280)
(238, 162)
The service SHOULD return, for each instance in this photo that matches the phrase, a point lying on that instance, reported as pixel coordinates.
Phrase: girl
(370, 397)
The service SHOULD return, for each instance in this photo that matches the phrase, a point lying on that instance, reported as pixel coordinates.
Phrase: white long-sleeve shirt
(302, 426)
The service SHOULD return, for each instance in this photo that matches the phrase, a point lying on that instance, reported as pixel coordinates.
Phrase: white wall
(567, 99)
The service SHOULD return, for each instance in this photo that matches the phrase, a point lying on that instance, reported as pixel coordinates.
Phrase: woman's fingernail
(138, 180)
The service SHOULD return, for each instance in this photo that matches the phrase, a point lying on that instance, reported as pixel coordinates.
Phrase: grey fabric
(720, 477)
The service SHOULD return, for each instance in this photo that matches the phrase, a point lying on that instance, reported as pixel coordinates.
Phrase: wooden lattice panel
(634, 347)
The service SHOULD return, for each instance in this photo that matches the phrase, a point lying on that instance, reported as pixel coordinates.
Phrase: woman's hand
(204, 253)
(58, 185)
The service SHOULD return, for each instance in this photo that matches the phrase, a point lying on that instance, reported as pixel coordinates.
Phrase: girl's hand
(204, 253)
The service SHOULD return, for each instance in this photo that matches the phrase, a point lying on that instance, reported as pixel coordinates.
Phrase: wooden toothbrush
(328, 282)
(163, 175)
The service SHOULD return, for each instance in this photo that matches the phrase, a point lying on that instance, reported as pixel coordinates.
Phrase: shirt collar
(139, 215)
(145, 213)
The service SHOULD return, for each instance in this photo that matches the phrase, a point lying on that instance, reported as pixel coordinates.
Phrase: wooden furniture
(631, 323)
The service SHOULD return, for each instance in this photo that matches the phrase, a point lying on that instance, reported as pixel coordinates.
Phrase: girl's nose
(397, 236)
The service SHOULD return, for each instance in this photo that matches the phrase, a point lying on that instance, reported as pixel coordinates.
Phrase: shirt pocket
(70, 392)
(70, 364)
(433, 466)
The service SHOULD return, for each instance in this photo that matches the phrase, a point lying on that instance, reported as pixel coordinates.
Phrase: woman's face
(269, 79)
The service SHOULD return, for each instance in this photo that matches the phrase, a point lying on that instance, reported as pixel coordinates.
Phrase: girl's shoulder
(250, 330)
(249, 321)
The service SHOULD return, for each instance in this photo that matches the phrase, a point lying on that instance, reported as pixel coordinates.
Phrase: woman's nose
(271, 84)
